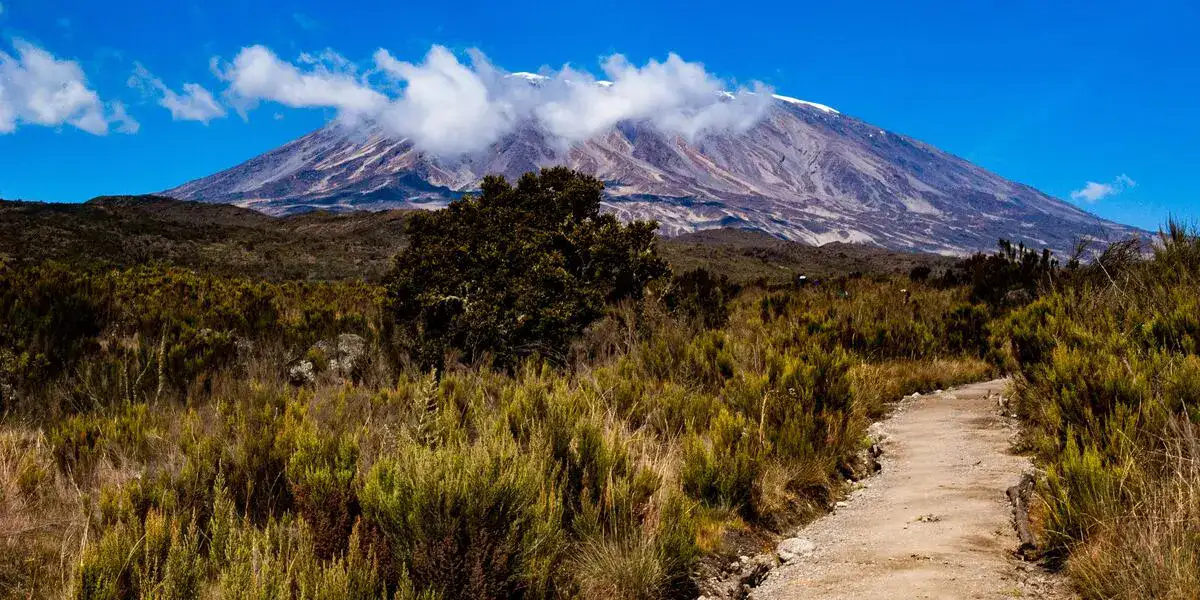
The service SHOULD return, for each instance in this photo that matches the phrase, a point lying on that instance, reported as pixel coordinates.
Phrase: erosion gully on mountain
(934, 523)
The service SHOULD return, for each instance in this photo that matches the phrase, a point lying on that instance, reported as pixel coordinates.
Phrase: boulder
(792, 549)
(302, 373)
(348, 355)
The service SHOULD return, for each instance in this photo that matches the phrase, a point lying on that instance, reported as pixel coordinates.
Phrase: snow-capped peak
(528, 76)
(820, 107)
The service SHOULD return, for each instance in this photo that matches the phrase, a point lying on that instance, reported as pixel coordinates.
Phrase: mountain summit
(804, 172)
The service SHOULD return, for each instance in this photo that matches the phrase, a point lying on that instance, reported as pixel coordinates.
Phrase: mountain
(805, 172)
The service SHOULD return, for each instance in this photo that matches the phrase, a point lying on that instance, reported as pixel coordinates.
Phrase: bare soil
(935, 523)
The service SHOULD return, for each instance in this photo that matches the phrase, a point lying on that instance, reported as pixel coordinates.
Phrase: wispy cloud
(448, 106)
(1093, 192)
(40, 89)
(124, 123)
(195, 103)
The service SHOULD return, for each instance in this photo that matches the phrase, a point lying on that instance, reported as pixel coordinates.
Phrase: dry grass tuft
(626, 569)
(40, 519)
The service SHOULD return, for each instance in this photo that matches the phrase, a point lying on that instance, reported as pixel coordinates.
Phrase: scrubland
(154, 445)
(542, 410)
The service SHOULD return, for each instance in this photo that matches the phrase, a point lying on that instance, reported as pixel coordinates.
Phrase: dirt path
(934, 524)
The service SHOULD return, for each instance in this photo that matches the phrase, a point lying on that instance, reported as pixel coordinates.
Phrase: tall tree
(516, 271)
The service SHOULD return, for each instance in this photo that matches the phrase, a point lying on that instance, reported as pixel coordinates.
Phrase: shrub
(966, 331)
(466, 522)
(920, 274)
(701, 297)
(516, 271)
(49, 318)
(720, 471)
(1108, 381)
(158, 557)
(1013, 274)
(322, 475)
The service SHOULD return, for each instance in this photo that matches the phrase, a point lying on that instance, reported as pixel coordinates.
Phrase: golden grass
(875, 385)
(40, 519)
(1151, 550)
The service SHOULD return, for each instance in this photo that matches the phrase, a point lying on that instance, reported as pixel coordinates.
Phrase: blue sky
(1056, 95)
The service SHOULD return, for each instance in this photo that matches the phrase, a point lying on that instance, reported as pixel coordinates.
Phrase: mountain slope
(804, 173)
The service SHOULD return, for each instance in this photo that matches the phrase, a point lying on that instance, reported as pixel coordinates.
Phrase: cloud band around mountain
(447, 106)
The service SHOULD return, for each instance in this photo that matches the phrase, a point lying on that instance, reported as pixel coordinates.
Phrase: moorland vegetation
(530, 404)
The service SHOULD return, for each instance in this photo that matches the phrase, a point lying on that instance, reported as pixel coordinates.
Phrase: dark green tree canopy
(516, 271)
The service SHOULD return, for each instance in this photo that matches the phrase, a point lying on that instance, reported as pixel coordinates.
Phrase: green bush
(155, 558)
(721, 468)
(702, 297)
(467, 522)
(322, 473)
(516, 271)
(50, 316)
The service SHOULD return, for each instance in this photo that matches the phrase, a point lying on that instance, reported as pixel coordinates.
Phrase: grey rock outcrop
(348, 355)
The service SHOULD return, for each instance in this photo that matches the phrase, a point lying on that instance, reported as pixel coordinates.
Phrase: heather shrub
(322, 475)
(125, 434)
(1012, 275)
(476, 521)
(50, 316)
(158, 557)
(701, 297)
(720, 469)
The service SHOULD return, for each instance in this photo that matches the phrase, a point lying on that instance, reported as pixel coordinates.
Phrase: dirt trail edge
(935, 523)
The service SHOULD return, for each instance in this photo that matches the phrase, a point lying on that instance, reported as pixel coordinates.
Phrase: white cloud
(677, 96)
(447, 106)
(195, 103)
(256, 75)
(1093, 192)
(124, 122)
(38, 89)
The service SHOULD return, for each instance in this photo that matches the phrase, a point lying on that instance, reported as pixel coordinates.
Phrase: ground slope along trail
(935, 523)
